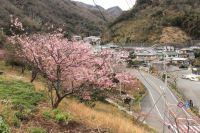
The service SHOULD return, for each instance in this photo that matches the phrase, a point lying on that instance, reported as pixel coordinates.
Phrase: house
(195, 47)
(186, 53)
(128, 48)
(170, 54)
(178, 61)
(125, 55)
(139, 49)
(76, 38)
(93, 40)
(146, 56)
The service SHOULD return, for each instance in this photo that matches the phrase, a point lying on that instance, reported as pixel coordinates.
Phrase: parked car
(194, 79)
(186, 76)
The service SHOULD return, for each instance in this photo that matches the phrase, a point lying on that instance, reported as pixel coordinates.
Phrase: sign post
(180, 105)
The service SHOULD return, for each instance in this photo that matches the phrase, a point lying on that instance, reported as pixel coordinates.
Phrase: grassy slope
(155, 22)
(102, 116)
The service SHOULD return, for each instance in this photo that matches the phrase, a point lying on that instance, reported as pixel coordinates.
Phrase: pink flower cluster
(61, 62)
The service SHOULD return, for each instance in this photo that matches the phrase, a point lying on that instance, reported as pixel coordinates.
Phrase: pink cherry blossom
(70, 68)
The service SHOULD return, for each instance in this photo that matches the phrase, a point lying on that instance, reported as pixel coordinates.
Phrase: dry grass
(102, 116)
(173, 34)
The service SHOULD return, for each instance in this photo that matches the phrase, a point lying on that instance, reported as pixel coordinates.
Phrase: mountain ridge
(73, 18)
(151, 20)
(112, 11)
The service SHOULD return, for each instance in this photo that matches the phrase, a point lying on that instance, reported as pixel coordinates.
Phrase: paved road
(190, 89)
(175, 118)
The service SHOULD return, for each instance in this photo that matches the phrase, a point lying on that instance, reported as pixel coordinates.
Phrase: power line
(128, 4)
(105, 19)
(132, 3)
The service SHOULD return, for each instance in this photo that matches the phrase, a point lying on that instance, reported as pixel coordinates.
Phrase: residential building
(170, 54)
(93, 40)
(146, 56)
(180, 61)
(186, 53)
(76, 38)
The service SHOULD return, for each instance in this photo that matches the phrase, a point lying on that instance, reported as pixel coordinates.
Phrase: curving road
(165, 115)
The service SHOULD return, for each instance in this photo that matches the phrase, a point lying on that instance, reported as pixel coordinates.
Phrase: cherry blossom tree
(70, 68)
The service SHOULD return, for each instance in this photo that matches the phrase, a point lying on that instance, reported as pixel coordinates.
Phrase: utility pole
(164, 93)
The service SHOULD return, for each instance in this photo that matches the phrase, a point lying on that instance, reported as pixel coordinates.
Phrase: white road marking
(176, 99)
(197, 128)
(174, 129)
(186, 127)
(154, 101)
(192, 129)
(182, 128)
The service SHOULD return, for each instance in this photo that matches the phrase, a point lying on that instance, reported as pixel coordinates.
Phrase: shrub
(67, 116)
(4, 128)
(189, 22)
(60, 118)
(36, 130)
(140, 2)
(197, 53)
(56, 111)
(16, 123)
(157, 13)
(21, 116)
(46, 114)
(27, 111)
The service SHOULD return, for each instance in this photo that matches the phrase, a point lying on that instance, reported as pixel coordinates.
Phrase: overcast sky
(123, 4)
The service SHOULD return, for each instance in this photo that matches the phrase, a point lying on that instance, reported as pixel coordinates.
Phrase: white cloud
(123, 4)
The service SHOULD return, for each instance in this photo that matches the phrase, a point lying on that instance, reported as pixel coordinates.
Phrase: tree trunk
(23, 69)
(34, 75)
(57, 103)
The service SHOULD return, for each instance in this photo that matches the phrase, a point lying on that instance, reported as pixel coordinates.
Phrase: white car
(194, 79)
(186, 76)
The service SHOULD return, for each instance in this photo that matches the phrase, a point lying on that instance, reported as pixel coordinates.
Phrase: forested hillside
(152, 21)
(73, 18)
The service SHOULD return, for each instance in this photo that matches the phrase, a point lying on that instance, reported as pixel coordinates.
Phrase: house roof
(186, 49)
(171, 53)
(179, 59)
(147, 53)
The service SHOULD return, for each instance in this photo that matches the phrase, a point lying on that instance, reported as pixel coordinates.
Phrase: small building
(170, 54)
(76, 38)
(178, 61)
(186, 53)
(139, 49)
(125, 55)
(146, 56)
(93, 40)
(128, 48)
